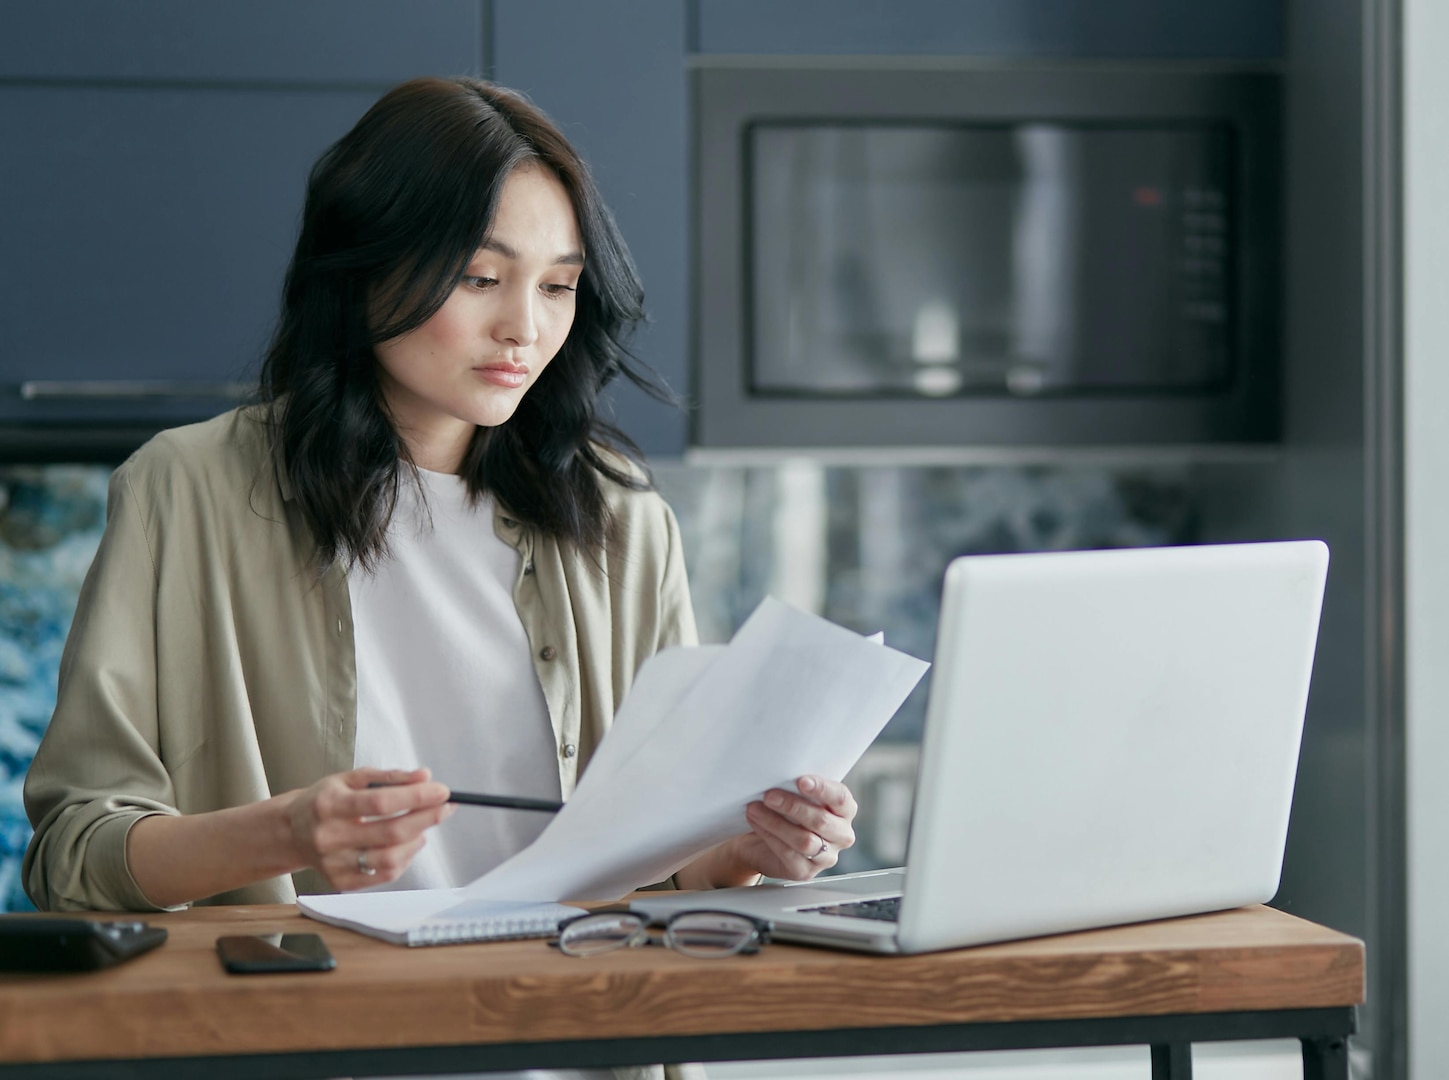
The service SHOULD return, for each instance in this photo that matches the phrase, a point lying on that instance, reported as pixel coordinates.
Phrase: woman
(416, 550)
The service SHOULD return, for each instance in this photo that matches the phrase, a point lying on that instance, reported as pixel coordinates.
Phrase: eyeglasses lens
(600, 933)
(710, 934)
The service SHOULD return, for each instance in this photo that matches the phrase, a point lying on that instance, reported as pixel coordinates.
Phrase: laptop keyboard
(886, 910)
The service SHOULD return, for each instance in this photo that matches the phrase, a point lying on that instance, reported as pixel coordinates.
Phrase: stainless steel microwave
(953, 254)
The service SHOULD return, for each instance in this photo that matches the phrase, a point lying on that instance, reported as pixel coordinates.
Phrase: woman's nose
(515, 322)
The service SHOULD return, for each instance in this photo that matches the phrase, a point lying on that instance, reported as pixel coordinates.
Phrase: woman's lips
(505, 375)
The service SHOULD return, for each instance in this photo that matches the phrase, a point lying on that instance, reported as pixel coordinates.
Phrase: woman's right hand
(356, 834)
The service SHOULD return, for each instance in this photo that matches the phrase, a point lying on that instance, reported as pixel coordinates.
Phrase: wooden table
(1250, 973)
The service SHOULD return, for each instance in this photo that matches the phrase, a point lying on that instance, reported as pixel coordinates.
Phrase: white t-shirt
(445, 678)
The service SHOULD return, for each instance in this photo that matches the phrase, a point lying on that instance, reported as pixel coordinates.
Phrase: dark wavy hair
(394, 212)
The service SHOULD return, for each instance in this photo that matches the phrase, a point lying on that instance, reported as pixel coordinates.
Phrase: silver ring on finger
(362, 865)
(824, 847)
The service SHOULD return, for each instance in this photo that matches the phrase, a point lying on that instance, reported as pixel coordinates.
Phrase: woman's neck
(441, 448)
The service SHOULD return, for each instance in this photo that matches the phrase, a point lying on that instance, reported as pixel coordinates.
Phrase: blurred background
(1224, 359)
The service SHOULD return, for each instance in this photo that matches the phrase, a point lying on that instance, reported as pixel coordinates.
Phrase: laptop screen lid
(1111, 736)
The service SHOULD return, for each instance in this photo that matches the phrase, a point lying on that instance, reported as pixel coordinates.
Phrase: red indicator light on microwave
(1147, 196)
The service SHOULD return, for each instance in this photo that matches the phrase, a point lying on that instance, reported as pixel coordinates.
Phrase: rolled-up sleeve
(98, 769)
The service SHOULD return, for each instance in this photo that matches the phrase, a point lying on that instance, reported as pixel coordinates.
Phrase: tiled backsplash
(865, 547)
(50, 523)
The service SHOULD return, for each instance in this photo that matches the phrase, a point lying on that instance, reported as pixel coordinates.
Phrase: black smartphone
(260, 954)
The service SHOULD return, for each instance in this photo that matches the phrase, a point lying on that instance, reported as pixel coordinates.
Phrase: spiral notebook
(435, 916)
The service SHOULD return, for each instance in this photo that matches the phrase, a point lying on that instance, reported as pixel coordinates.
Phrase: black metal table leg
(1325, 1059)
(1173, 1061)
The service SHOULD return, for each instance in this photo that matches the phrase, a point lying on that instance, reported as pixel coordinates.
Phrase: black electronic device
(47, 943)
(262, 954)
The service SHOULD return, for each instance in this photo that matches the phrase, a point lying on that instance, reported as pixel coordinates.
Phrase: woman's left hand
(792, 835)
(795, 836)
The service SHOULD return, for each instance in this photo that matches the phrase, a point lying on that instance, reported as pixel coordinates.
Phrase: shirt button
(570, 749)
(528, 567)
(339, 626)
(548, 652)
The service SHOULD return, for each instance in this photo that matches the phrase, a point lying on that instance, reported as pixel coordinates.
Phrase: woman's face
(471, 363)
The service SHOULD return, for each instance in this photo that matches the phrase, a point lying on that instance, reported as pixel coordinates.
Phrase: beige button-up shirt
(210, 665)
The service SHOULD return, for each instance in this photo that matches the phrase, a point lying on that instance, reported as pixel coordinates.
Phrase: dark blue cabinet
(153, 158)
(613, 76)
(147, 231)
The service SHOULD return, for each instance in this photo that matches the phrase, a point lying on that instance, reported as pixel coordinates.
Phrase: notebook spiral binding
(453, 932)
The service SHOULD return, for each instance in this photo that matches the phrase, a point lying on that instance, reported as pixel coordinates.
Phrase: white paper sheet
(391, 914)
(703, 732)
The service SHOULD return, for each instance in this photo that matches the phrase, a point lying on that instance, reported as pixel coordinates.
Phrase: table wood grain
(177, 1000)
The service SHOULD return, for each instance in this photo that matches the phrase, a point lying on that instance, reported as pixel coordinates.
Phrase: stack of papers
(703, 731)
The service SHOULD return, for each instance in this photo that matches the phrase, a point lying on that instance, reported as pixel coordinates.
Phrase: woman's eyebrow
(573, 258)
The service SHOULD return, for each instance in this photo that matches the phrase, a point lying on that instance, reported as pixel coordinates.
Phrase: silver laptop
(1112, 736)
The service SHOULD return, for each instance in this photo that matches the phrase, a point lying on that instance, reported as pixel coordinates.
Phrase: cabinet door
(153, 162)
(146, 231)
(612, 75)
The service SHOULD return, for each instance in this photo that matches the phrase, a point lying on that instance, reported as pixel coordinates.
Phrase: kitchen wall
(616, 76)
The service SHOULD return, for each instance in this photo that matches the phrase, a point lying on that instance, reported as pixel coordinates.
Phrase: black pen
(508, 802)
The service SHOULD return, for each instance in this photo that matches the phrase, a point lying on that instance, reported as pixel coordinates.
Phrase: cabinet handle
(111, 389)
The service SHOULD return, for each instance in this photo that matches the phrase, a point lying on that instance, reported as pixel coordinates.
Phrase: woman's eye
(480, 282)
(558, 290)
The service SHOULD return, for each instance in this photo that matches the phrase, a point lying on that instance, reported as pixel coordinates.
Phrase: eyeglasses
(704, 934)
